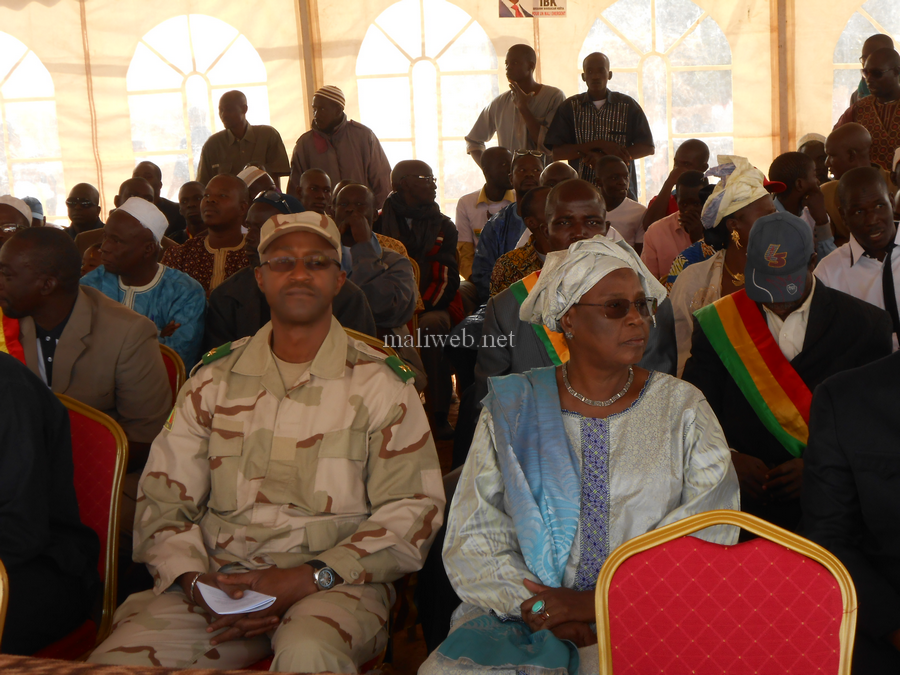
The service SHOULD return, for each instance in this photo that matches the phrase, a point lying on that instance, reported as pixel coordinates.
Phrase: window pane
(157, 122)
(379, 56)
(11, 50)
(29, 80)
(462, 99)
(32, 129)
(656, 166)
(401, 22)
(387, 121)
(209, 37)
(701, 101)
(238, 65)
(673, 19)
(397, 151)
(4, 177)
(426, 125)
(705, 46)
(442, 22)
(632, 19)
(43, 180)
(198, 112)
(172, 41)
(472, 51)
(845, 83)
(885, 12)
(603, 39)
(148, 71)
(460, 175)
(851, 41)
(174, 172)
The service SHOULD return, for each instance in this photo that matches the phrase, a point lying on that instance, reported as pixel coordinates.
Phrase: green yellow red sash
(553, 342)
(9, 338)
(738, 332)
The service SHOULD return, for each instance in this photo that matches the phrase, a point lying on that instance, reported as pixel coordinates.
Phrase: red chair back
(174, 369)
(679, 604)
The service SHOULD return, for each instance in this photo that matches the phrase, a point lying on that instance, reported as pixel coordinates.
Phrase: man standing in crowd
(411, 215)
(213, 258)
(314, 191)
(475, 209)
(796, 332)
(692, 155)
(872, 43)
(668, 237)
(241, 143)
(190, 197)
(151, 173)
(504, 229)
(80, 342)
(325, 442)
(83, 204)
(520, 116)
(238, 308)
(342, 148)
(878, 112)
(803, 197)
(131, 275)
(600, 122)
(867, 267)
(850, 506)
(624, 214)
(847, 147)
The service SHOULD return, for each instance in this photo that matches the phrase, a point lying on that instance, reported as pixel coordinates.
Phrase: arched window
(178, 72)
(435, 56)
(679, 71)
(30, 158)
(875, 16)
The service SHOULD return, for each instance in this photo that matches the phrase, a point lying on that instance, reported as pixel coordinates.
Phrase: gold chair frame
(4, 598)
(180, 371)
(747, 522)
(110, 581)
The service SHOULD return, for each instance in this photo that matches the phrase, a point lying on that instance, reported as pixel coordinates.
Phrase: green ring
(537, 607)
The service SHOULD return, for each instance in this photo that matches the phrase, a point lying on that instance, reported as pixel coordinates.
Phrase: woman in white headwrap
(568, 463)
(742, 196)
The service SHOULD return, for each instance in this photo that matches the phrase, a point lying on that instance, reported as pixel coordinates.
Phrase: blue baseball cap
(778, 254)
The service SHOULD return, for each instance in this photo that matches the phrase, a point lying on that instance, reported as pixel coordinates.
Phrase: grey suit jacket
(108, 357)
(527, 351)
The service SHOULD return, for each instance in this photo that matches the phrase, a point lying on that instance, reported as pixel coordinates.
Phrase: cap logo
(774, 258)
(791, 289)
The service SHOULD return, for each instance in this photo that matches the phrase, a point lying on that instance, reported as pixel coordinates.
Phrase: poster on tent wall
(526, 9)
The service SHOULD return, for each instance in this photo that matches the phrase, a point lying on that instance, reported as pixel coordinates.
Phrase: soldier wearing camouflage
(267, 464)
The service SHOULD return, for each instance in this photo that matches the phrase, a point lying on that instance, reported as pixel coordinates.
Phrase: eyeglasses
(11, 228)
(618, 309)
(83, 203)
(430, 179)
(871, 72)
(533, 153)
(274, 196)
(312, 263)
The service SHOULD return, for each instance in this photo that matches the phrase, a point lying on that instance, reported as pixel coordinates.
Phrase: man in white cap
(343, 148)
(15, 215)
(240, 143)
(257, 181)
(298, 463)
(129, 273)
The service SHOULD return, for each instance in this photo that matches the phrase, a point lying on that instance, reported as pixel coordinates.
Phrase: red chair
(100, 455)
(670, 603)
(174, 369)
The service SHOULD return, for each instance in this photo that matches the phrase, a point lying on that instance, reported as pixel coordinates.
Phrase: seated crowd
(618, 367)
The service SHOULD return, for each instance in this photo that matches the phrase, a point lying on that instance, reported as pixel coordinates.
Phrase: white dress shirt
(626, 218)
(789, 333)
(850, 270)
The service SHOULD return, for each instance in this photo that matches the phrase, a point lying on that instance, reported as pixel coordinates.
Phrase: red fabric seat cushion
(689, 606)
(75, 645)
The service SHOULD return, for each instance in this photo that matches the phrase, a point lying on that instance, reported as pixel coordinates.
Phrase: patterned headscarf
(741, 184)
(568, 275)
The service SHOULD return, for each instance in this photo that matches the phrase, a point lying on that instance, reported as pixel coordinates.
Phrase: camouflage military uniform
(341, 468)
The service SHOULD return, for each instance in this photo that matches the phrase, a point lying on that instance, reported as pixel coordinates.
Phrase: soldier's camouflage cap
(308, 221)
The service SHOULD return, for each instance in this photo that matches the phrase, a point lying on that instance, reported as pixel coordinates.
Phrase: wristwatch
(323, 575)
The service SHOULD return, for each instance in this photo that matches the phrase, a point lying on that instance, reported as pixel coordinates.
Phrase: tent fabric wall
(87, 47)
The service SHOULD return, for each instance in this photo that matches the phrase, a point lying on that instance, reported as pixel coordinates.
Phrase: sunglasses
(11, 228)
(274, 196)
(430, 179)
(312, 263)
(618, 309)
(871, 72)
(533, 153)
(83, 203)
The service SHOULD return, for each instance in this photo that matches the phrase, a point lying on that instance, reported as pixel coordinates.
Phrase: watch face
(325, 578)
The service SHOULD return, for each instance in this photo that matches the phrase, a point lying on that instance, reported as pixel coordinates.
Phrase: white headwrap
(741, 184)
(250, 175)
(568, 275)
(147, 215)
(18, 205)
(812, 136)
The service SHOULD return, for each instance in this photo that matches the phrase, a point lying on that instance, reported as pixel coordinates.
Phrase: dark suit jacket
(172, 212)
(506, 14)
(237, 308)
(842, 333)
(851, 483)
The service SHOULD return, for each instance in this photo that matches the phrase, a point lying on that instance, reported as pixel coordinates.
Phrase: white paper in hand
(221, 603)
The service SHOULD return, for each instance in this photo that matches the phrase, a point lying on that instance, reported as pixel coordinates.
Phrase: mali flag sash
(9, 337)
(553, 342)
(738, 332)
